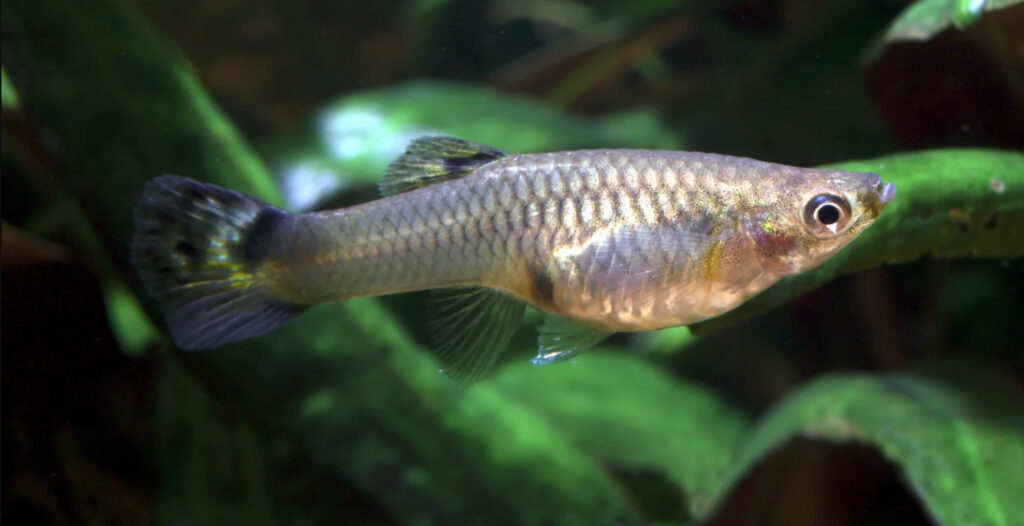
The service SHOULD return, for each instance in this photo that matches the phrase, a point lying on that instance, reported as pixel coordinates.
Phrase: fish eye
(828, 214)
(825, 215)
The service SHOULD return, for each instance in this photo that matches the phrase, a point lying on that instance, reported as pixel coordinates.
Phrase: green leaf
(128, 321)
(949, 203)
(967, 11)
(352, 141)
(630, 414)
(926, 18)
(346, 383)
(960, 444)
(672, 339)
(8, 94)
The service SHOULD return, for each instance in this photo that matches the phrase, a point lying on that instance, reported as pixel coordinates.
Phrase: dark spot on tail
(163, 217)
(254, 244)
(541, 287)
(194, 194)
(187, 249)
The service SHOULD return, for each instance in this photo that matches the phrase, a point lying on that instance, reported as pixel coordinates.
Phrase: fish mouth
(886, 193)
(883, 194)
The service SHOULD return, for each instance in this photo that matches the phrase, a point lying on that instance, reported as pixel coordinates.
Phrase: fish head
(808, 215)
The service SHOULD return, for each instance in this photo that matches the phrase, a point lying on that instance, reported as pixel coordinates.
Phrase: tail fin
(196, 247)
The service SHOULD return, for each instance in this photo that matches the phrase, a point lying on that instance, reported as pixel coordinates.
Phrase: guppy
(600, 240)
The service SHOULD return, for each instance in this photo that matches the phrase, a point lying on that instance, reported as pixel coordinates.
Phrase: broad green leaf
(346, 383)
(353, 140)
(630, 414)
(959, 444)
(926, 18)
(949, 203)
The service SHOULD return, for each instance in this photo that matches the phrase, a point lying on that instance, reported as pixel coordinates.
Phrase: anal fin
(472, 327)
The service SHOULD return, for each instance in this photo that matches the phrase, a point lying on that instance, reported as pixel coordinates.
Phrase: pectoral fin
(559, 339)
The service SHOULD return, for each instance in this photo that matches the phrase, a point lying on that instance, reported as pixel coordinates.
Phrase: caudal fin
(196, 247)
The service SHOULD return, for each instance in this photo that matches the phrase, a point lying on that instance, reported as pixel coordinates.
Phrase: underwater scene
(498, 262)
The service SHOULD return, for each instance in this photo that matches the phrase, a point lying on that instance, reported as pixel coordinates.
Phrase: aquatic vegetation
(897, 361)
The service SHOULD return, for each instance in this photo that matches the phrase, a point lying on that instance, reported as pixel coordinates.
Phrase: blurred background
(890, 395)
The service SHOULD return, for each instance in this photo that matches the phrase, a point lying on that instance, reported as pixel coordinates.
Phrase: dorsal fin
(430, 160)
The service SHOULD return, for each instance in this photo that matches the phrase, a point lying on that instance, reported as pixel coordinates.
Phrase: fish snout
(878, 196)
(886, 193)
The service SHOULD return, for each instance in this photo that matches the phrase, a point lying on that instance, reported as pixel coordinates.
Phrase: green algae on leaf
(679, 429)
(348, 386)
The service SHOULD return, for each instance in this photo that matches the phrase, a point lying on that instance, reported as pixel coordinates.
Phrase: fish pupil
(828, 214)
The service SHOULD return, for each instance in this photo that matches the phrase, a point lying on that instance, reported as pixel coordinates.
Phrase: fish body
(612, 240)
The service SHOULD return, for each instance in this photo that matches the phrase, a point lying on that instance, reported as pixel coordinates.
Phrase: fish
(601, 241)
